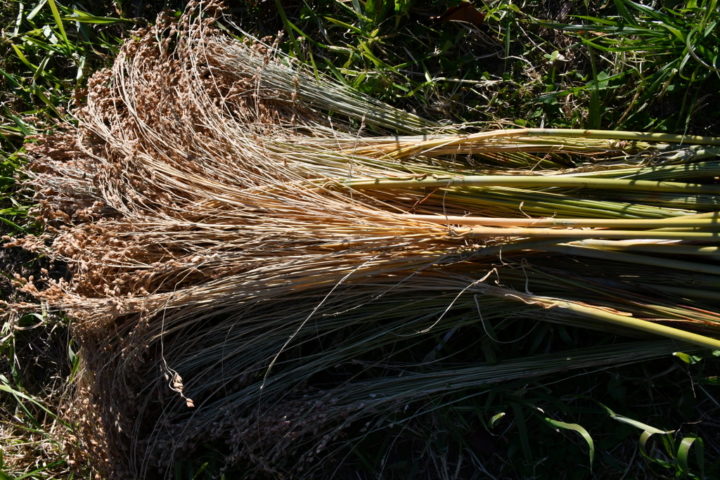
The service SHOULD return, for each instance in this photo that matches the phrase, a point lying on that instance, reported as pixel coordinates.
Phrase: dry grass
(257, 261)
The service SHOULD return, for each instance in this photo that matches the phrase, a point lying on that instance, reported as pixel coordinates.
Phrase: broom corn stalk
(221, 215)
(539, 181)
(689, 221)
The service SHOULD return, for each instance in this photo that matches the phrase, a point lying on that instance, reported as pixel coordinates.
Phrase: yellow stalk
(633, 322)
(675, 222)
(538, 181)
(584, 233)
(606, 315)
(532, 140)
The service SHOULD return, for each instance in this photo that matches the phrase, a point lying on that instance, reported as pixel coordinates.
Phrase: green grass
(669, 54)
(620, 65)
(47, 51)
(615, 65)
(36, 360)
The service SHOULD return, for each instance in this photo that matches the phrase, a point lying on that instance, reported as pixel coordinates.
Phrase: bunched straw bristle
(259, 260)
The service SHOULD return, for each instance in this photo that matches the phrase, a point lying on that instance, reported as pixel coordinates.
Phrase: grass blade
(58, 21)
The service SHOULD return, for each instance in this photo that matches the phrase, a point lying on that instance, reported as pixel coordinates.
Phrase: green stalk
(674, 222)
(550, 204)
(580, 233)
(666, 263)
(654, 249)
(623, 135)
(684, 170)
(635, 323)
(554, 139)
(607, 316)
(530, 181)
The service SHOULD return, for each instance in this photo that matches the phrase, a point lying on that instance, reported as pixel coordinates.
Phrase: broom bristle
(256, 262)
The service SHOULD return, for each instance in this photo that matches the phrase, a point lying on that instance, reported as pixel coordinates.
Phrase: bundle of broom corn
(269, 263)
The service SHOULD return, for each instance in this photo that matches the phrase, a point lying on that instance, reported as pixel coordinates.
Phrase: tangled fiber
(271, 265)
